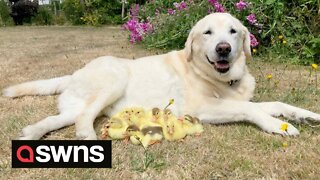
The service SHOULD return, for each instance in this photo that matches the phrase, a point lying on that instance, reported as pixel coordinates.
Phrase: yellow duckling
(172, 128)
(124, 114)
(117, 128)
(192, 125)
(136, 116)
(156, 115)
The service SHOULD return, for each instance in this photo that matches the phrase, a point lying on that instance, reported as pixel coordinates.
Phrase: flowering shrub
(166, 24)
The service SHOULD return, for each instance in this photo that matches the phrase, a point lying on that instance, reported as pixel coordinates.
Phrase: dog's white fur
(109, 84)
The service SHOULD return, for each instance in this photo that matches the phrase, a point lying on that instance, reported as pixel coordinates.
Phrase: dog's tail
(40, 87)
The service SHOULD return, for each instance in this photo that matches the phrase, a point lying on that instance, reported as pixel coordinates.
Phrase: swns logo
(61, 154)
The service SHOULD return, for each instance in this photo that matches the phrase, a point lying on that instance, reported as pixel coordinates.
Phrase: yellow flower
(284, 42)
(269, 76)
(284, 144)
(280, 37)
(254, 50)
(284, 127)
(314, 66)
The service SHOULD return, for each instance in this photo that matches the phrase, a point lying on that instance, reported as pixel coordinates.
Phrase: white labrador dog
(208, 79)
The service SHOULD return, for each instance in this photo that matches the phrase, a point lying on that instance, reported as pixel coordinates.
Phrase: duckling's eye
(208, 32)
(233, 31)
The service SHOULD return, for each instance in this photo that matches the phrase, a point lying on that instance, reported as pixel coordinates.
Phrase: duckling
(117, 128)
(124, 114)
(192, 125)
(104, 131)
(172, 128)
(155, 114)
(137, 115)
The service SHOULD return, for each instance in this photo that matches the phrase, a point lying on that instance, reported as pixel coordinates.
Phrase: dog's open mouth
(222, 66)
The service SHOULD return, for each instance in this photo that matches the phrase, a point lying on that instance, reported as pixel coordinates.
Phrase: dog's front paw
(309, 116)
(280, 127)
(86, 135)
(30, 133)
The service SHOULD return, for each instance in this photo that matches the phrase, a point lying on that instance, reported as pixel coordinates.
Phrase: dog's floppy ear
(246, 44)
(188, 46)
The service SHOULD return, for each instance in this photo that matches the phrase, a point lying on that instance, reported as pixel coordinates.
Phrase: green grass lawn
(233, 151)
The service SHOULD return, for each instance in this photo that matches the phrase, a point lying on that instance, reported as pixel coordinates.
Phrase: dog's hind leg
(39, 129)
(104, 98)
(291, 112)
(70, 108)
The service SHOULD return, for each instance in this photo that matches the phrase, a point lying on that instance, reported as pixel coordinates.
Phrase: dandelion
(280, 37)
(284, 127)
(241, 5)
(269, 76)
(284, 42)
(253, 41)
(254, 50)
(314, 66)
(252, 19)
(284, 144)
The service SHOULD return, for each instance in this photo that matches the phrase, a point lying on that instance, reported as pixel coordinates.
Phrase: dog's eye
(208, 32)
(232, 31)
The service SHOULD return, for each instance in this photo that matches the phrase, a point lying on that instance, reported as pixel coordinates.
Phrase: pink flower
(157, 12)
(180, 6)
(171, 11)
(241, 5)
(218, 7)
(253, 41)
(183, 5)
(131, 24)
(176, 5)
(134, 10)
(252, 19)
(212, 2)
(146, 27)
(137, 29)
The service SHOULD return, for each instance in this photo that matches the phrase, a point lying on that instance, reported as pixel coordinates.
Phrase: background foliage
(5, 18)
(287, 30)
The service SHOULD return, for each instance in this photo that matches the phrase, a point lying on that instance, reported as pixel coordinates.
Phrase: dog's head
(218, 45)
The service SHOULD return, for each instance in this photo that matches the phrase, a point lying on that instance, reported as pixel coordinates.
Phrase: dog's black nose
(223, 48)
